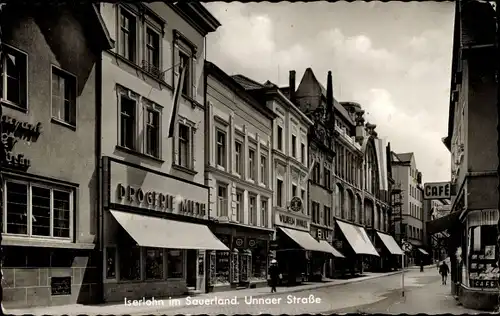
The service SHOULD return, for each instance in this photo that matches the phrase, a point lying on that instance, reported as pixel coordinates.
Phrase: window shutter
(176, 65)
(175, 144)
(193, 146)
(194, 78)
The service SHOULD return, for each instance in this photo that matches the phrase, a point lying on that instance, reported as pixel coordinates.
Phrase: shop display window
(175, 266)
(259, 260)
(483, 271)
(221, 267)
(245, 265)
(110, 263)
(130, 263)
(154, 263)
(234, 266)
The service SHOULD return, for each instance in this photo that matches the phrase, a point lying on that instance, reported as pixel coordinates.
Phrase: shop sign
(136, 196)
(239, 242)
(13, 131)
(338, 244)
(252, 242)
(485, 284)
(288, 220)
(482, 217)
(437, 190)
(296, 204)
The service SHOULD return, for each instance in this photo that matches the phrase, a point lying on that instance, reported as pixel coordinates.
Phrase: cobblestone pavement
(376, 295)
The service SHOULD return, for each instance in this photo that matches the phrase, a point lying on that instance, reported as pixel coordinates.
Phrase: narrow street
(424, 294)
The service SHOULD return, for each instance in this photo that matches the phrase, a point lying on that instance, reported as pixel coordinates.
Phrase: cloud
(399, 74)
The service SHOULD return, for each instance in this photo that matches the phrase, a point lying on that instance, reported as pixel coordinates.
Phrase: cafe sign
(292, 221)
(139, 187)
(13, 131)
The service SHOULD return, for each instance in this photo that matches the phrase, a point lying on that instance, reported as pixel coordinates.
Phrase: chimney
(291, 86)
(389, 158)
(329, 98)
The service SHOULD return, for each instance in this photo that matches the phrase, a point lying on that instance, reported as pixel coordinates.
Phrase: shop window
(130, 263)
(175, 267)
(222, 267)
(259, 259)
(154, 263)
(110, 263)
(38, 210)
(483, 271)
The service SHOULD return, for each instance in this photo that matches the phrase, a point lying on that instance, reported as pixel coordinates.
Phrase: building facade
(411, 225)
(49, 121)
(471, 139)
(155, 206)
(436, 243)
(239, 143)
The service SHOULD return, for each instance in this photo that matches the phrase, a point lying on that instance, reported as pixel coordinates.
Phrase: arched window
(359, 207)
(371, 170)
(368, 213)
(339, 201)
(350, 208)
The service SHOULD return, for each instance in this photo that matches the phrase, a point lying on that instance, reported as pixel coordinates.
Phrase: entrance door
(192, 259)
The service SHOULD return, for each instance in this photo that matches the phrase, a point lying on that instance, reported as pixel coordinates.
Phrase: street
(424, 294)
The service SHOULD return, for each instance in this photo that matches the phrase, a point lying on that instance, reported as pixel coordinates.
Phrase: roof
(405, 157)
(214, 70)
(247, 83)
(194, 13)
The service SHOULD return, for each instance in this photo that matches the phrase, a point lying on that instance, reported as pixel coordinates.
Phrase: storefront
(294, 247)
(155, 233)
(246, 262)
(354, 243)
(389, 250)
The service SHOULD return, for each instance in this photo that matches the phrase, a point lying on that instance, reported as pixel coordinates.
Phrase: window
(110, 262)
(239, 207)
(175, 264)
(222, 200)
(221, 148)
(251, 164)
(263, 169)
(127, 122)
(315, 212)
(303, 153)
(152, 51)
(252, 211)
(154, 263)
(127, 39)
(303, 195)
(280, 138)
(264, 217)
(294, 190)
(238, 159)
(328, 177)
(327, 216)
(14, 77)
(63, 96)
(317, 173)
(130, 263)
(294, 146)
(37, 210)
(152, 133)
(184, 142)
(279, 193)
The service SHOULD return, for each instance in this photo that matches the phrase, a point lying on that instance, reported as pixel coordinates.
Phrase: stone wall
(117, 292)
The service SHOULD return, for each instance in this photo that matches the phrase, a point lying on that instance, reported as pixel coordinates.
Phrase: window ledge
(193, 102)
(220, 167)
(62, 123)
(184, 169)
(14, 106)
(138, 154)
(236, 175)
(25, 241)
(251, 181)
(140, 69)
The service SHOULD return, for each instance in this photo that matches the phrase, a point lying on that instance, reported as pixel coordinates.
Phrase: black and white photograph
(224, 158)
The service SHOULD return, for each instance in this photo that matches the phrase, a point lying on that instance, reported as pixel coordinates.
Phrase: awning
(358, 239)
(150, 231)
(390, 244)
(423, 251)
(443, 223)
(304, 239)
(329, 248)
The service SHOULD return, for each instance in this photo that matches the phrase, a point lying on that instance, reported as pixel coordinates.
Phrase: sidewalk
(433, 298)
(162, 304)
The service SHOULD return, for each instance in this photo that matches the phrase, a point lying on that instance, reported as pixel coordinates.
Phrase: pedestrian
(421, 265)
(274, 274)
(444, 270)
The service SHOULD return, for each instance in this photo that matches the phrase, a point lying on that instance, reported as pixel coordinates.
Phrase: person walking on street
(444, 270)
(421, 265)
(274, 274)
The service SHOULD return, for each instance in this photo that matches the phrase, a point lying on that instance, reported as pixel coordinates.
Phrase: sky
(392, 58)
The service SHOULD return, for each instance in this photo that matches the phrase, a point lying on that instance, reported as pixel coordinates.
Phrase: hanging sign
(437, 190)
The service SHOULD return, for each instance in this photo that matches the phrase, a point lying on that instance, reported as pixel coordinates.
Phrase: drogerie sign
(437, 190)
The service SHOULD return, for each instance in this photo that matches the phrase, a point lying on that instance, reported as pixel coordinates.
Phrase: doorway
(192, 259)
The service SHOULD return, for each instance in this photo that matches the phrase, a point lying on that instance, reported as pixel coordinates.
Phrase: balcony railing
(153, 70)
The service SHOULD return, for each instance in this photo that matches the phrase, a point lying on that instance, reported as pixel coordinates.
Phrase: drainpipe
(497, 42)
(98, 175)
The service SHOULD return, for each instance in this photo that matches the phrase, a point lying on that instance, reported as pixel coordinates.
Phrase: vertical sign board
(437, 190)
